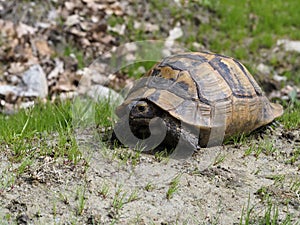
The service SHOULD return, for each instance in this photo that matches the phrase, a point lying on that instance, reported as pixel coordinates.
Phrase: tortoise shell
(206, 91)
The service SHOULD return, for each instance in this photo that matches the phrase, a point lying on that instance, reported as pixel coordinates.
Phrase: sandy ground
(122, 187)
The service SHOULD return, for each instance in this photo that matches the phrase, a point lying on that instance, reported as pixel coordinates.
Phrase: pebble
(264, 69)
(9, 89)
(35, 81)
(99, 92)
(289, 45)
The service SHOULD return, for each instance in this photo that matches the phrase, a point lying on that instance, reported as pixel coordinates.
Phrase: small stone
(13, 79)
(175, 33)
(35, 80)
(279, 78)
(264, 69)
(8, 89)
(119, 29)
(289, 45)
(151, 27)
(99, 92)
(69, 6)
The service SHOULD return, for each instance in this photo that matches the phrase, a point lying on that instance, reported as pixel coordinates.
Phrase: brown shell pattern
(199, 87)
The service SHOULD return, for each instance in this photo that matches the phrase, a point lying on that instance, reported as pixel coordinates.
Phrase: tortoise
(201, 97)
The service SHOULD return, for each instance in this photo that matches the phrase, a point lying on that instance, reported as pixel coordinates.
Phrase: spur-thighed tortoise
(202, 97)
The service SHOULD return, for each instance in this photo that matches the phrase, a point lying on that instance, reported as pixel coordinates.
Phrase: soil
(215, 185)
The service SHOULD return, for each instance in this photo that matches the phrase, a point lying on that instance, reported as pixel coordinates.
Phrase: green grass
(121, 198)
(173, 187)
(246, 19)
(81, 200)
(44, 130)
(291, 117)
(269, 215)
(41, 118)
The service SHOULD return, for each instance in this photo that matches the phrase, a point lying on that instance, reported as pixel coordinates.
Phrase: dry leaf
(43, 47)
(72, 20)
(69, 6)
(23, 29)
(16, 68)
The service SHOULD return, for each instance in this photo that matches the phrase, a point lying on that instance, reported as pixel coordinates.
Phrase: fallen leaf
(72, 20)
(23, 29)
(43, 47)
(16, 68)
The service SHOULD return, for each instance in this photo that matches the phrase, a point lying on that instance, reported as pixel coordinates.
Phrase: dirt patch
(124, 187)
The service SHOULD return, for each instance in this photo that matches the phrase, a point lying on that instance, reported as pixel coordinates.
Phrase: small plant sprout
(249, 150)
(278, 179)
(24, 165)
(7, 180)
(219, 159)
(80, 196)
(174, 186)
(64, 198)
(149, 187)
(54, 209)
(295, 185)
(245, 217)
(268, 147)
(161, 156)
(295, 156)
(236, 140)
(129, 157)
(104, 190)
(121, 198)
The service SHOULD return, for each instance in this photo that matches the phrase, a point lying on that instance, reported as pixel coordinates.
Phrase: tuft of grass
(81, 200)
(149, 187)
(267, 147)
(294, 156)
(41, 118)
(278, 179)
(237, 140)
(249, 150)
(174, 186)
(162, 156)
(104, 190)
(295, 185)
(291, 117)
(245, 217)
(219, 159)
(126, 156)
(269, 215)
(264, 146)
(23, 166)
(121, 198)
(7, 180)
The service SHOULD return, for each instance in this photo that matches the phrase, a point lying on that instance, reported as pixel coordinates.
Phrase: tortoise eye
(141, 106)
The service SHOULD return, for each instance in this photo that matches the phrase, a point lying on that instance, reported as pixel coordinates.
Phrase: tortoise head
(144, 110)
(140, 116)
